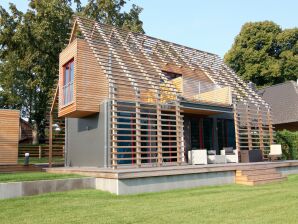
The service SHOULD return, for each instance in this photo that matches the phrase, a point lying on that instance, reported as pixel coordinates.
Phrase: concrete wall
(27, 188)
(86, 140)
(288, 170)
(163, 183)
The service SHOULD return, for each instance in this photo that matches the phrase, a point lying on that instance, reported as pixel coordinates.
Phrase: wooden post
(51, 139)
(270, 127)
(138, 134)
(236, 123)
(39, 152)
(114, 135)
(178, 134)
(51, 126)
(159, 134)
(248, 124)
(260, 126)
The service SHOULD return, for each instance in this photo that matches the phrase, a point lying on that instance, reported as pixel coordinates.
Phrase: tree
(264, 53)
(30, 44)
(109, 12)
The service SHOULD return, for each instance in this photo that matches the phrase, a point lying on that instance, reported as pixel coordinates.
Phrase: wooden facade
(9, 136)
(89, 81)
(145, 79)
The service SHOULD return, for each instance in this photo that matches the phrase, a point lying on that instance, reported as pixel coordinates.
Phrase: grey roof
(283, 99)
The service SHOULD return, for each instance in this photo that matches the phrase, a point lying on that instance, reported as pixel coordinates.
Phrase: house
(283, 99)
(133, 100)
(9, 136)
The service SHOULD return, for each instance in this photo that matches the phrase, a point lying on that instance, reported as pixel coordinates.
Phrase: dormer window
(68, 75)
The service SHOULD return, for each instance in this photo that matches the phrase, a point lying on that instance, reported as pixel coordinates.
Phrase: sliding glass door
(225, 133)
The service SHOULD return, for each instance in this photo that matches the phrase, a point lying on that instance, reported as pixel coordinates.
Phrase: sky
(208, 25)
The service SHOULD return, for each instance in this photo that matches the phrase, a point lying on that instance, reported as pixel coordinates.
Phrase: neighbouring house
(26, 132)
(283, 99)
(9, 136)
(129, 99)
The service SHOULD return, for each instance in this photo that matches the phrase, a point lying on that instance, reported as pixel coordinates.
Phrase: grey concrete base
(288, 170)
(18, 189)
(163, 183)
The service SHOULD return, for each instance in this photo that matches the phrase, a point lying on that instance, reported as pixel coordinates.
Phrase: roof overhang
(190, 107)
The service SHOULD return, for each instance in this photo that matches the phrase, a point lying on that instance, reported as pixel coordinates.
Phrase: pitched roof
(283, 99)
(135, 52)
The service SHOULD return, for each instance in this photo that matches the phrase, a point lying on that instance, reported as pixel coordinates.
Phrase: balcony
(203, 92)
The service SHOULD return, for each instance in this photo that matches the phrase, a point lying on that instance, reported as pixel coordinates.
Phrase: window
(68, 70)
(171, 75)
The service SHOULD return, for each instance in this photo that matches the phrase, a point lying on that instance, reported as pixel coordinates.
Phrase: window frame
(68, 85)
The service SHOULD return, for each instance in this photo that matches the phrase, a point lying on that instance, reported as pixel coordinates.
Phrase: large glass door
(201, 133)
(226, 133)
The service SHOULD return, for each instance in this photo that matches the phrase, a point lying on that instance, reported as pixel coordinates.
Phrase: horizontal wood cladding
(90, 83)
(69, 53)
(9, 136)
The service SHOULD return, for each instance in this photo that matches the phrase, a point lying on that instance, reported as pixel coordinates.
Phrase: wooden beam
(260, 126)
(270, 127)
(51, 139)
(248, 125)
(159, 136)
(138, 133)
(55, 98)
(236, 127)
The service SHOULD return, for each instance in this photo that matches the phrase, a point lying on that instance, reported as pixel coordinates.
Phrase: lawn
(274, 203)
(16, 177)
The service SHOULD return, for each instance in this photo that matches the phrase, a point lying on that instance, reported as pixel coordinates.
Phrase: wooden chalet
(129, 99)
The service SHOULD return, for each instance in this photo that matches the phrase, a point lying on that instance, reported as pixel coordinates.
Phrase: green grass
(34, 160)
(274, 203)
(16, 177)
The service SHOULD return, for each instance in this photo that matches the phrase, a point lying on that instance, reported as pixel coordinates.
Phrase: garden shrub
(289, 143)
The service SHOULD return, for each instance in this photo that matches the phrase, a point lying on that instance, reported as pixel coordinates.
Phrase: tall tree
(30, 43)
(264, 53)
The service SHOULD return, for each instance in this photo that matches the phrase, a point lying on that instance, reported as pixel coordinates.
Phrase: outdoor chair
(231, 154)
(275, 152)
(197, 156)
(213, 158)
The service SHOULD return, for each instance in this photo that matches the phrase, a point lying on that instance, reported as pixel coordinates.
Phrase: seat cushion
(229, 151)
(211, 152)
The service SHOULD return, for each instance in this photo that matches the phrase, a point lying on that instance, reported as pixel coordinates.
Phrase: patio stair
(258, 176)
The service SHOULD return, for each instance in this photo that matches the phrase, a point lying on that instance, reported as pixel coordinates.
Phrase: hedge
(289, 142)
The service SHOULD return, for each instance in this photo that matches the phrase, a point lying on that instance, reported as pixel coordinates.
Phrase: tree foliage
(30, 43)
(264, 53)
(289, 142)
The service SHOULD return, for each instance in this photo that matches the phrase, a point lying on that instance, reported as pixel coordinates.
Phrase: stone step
(262, 181)
(258, 177)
